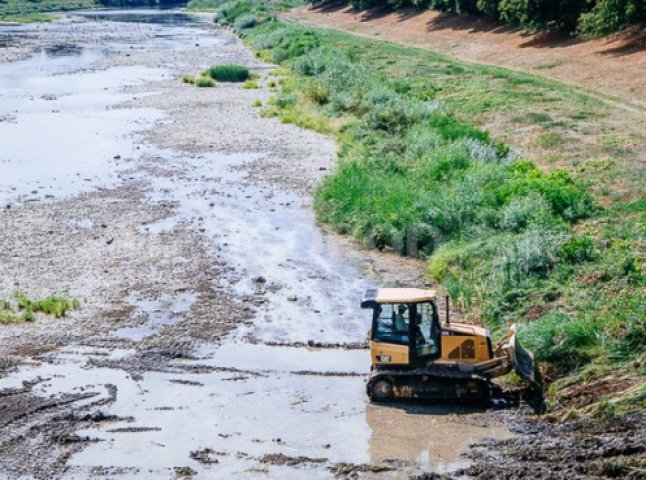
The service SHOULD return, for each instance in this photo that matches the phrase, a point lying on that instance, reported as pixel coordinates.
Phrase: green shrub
(561, 339)
(566, 198)
(578, 249)
(609, 16)
(229, 73)
(228, 12)
(204, 82)
(416, 179)
(245, 21)
(279, 55)
(316, 91)
(387, 110)
(251, 85)
(533, 252)
(311, 64)
(205, 5)
(188, 79)
(520, 211)
(285, 101)
(452, 129)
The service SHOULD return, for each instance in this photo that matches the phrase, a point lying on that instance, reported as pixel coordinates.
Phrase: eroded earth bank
(218, 332)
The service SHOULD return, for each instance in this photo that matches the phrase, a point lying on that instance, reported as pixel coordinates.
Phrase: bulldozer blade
(523, 362)
(525, 367)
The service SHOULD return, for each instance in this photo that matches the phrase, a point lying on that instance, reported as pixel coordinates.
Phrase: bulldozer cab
(405, 326)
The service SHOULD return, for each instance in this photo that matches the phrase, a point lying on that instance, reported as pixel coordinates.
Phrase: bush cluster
(589, 18)
(229, 73)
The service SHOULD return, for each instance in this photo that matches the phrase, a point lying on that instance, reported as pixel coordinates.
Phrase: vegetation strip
(507, 240)
(23, 309)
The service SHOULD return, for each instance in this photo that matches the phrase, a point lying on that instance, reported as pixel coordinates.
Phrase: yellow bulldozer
(416, 355)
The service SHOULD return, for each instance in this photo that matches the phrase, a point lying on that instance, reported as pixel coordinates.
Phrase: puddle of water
(55, 96)
(264, 232)
(160, 313)
(157, 17)
(78, 134)
(261, 357)
(245, 416)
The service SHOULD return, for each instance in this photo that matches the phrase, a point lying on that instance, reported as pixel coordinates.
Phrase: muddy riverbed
(182, 221)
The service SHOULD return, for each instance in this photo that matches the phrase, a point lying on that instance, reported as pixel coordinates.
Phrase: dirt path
(614, 65)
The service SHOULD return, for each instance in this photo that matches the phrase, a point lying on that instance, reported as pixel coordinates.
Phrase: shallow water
(256, 399)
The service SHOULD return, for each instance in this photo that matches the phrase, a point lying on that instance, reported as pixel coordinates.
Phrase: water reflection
(149, 16)
(431, 437)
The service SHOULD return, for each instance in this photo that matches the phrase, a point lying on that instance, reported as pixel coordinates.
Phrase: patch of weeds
(188, 79)
(582, 115)
(618, 145)
(24, 309)
(606, 410)
(538, 117)
(34, 17)
(548, 65)
(250, 84)
(204, 82)
(257, 103)
(549, 140)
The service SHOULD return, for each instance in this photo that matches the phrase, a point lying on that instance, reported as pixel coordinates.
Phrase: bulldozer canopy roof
(396, 295)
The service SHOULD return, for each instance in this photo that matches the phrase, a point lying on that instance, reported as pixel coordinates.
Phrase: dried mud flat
(192, 263)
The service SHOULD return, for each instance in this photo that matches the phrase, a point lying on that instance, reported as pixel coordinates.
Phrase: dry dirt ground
(613, 65)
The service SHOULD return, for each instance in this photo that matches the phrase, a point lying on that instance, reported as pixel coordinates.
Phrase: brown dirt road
(614, 65)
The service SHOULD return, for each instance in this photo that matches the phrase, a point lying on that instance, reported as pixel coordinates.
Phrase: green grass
(27, 18)
(430, 166)
(229, 73)
(23, 309)
(251, 85)
(32, 11)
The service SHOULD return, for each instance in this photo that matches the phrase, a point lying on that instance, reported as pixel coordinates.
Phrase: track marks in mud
(38, 433)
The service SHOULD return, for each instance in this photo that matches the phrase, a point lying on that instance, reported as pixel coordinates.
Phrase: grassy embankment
(26, 11)
(549, 233)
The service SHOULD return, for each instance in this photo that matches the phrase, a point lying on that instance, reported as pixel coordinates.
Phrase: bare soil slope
(614, 65)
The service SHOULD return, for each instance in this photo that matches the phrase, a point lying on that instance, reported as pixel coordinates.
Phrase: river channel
(219, 333)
